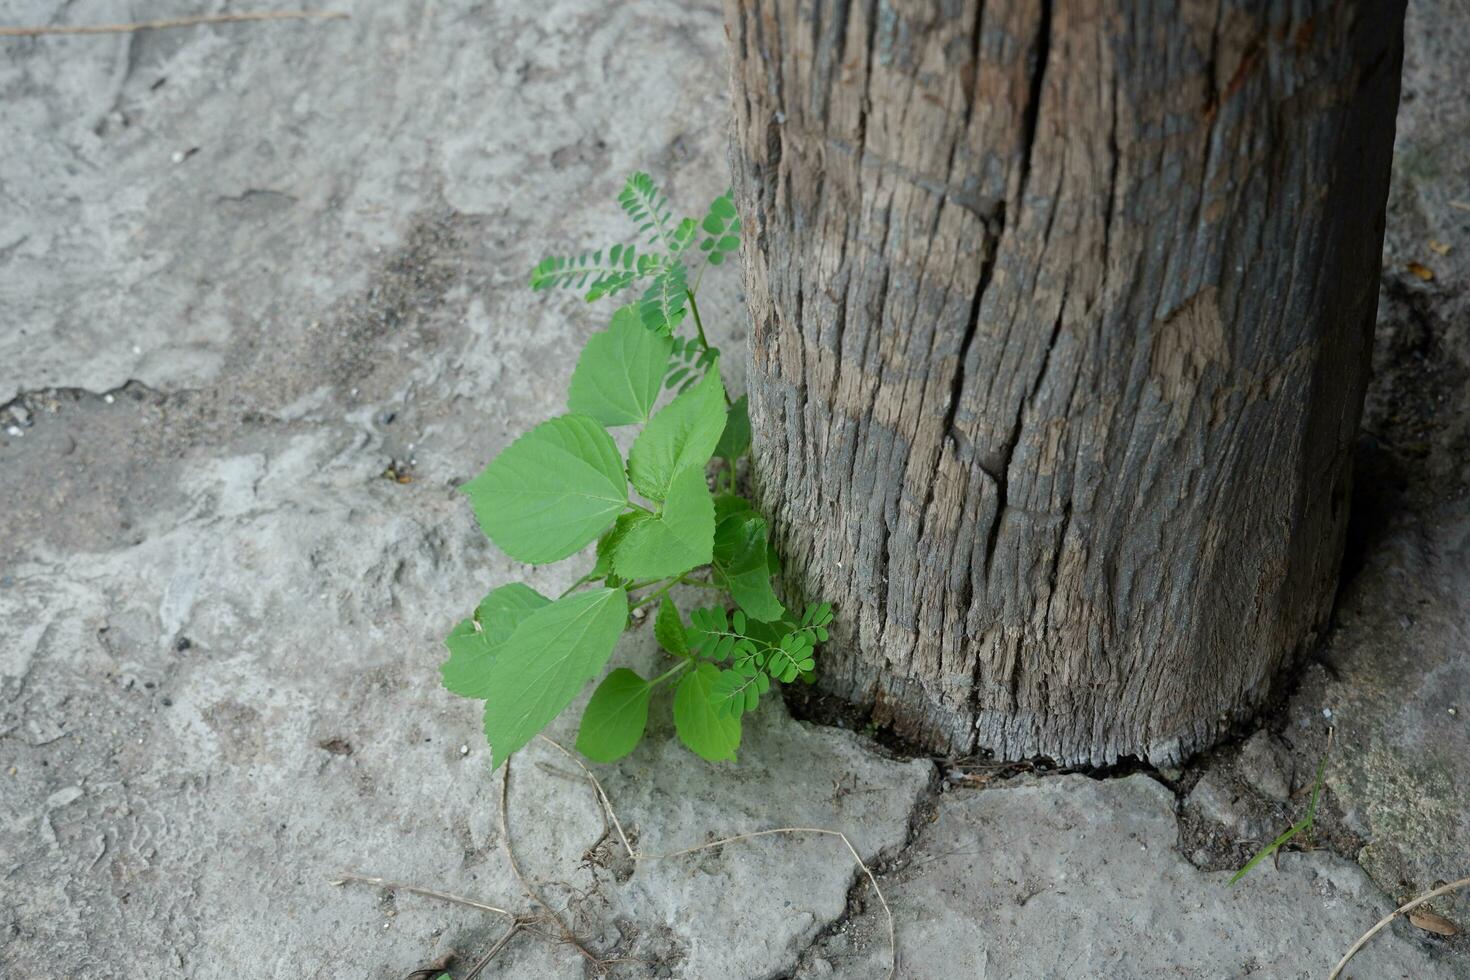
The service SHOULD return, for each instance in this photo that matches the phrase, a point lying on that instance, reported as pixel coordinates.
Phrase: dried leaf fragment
(1430, 922)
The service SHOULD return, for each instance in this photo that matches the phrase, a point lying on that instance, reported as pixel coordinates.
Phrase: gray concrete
(1072, 877)
(244, 269)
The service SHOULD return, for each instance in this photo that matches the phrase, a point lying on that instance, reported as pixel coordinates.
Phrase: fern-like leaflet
(603, 276)
(642, 201)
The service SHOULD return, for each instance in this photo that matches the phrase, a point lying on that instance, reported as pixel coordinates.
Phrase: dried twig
(607, 806)
(510, 934)
(1383, 922)
(567, 935)
(347, 876)
(158, 25)
(521, 922)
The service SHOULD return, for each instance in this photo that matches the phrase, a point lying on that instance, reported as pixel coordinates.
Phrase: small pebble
(108, 399)
(1453, 712)
(1327, 713)
(464, 750)
(12, 430)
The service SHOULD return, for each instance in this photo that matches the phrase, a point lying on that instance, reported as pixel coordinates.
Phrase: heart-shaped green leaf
(613, 723)
(619, 374)
(735, 439)
(551, 491)
(681, 537)
(682, 435)
(546, 660)
(475, 641)
(699, 724)
(741, 565)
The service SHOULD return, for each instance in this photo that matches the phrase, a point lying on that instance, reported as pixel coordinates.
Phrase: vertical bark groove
(1059, 318)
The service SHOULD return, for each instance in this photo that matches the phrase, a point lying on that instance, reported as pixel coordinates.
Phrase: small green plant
(564, 485)
(1302, 826)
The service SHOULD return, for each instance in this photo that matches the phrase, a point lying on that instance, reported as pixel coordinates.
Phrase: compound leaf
(620, 372)
(551, 491)
(791, 658)
(650, 211)
(547, 659)
(707, 734)
(680, 538)
(682, 435)
(602, 274)
(721, 227)
(736, 692)
(665, 301)
(612, 726)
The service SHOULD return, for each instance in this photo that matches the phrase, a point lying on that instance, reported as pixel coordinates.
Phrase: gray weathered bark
(1060, 327)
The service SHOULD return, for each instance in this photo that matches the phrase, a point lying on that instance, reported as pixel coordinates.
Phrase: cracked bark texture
(1060, 327)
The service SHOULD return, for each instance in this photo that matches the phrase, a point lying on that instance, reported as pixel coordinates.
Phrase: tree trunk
(1060, 328)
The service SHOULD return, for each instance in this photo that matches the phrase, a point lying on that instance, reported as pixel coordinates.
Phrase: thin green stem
(671, 673)
(651, 597)
(575, 585)
(698, 323)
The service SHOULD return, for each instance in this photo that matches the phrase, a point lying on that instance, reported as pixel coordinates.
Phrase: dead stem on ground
(523, 922)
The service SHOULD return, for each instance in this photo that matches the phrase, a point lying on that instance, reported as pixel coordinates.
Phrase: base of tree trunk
(1060, 329)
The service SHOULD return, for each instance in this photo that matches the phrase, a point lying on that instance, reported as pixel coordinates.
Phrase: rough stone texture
(1060, 319)
(1266, 766)
(1067, 877)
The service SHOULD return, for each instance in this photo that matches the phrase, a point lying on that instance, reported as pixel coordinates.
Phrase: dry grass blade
(401, 886)
(607, 806)
(1383, 922)
(158, 25)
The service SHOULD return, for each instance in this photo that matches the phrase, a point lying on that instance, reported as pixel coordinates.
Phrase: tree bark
(1060, 328)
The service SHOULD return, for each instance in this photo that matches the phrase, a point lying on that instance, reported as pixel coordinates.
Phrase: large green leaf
(699, 723)
(551, 491)
(615, 718)
(682, 435)
(735, 439)
(475, 641)
(620, 372)
(549, 657)
(680, 538)
(742, 565)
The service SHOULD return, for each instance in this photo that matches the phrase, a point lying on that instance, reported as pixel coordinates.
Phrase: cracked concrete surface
(246, 269)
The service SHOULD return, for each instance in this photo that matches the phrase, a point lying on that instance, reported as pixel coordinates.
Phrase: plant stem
(575, 585)
(656, 595)
(640, 507)
(698, 323)
(671, 673)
